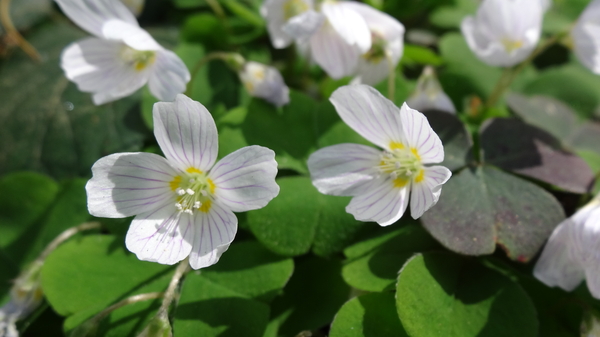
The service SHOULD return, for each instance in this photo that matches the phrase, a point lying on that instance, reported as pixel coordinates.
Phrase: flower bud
(586, 37)
(429, 94)
(265, 82)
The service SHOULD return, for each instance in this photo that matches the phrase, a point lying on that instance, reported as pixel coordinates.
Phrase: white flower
(121, 58)
(504, 32)
(429, 94)
(387, 45)
(573, 252)
(183, 204)
(289, 20)
(380, 181)
(341, 40)
(586, 37)
(25, 296)
(265, 82)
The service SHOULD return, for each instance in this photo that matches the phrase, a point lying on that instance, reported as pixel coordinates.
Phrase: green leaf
(524, 149)
(414, 54)
(251, 270)
(371, 315)
(439, 294)
(209, 309)
(314, 294)
(301, 218)
(205, 28)
(87, 274)
(452, 16)
(457, 141)
(49, 130)
(244, 12)
(482, 206)
(373, 264)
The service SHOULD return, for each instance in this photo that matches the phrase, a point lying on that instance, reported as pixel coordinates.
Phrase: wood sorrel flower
(183, 204)
(429, 94)
(387, 45)
(504, 32)
(290, 20)
(121, 58)
(381, 181)
(573, 252)
(265, 82)
(586, 37)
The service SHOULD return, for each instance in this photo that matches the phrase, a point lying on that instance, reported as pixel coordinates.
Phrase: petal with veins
(164, 235)
(348, 24)
(214, 232)
(91, 15)
(170, 76)
(186, 133)
(340, 169)
(382, 201)
(420, 136)
(245, 179)
(126, 184)
(426, 189)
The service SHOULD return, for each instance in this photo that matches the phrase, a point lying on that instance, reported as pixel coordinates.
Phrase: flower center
(402, 164)
(511, 45)
(138, 59)
(292, 8)
(378, 52)
(194, 191)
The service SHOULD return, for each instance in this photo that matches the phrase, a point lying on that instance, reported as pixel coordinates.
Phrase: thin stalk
(129, 300)
(203, 61)
(220, 12)
(64, 236)
(13, 33)
(511, 73)
(391, 79)
(171, 292)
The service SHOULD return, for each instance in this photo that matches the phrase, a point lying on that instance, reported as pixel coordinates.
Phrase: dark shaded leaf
(483, 206)
(524, 149)
(458, 150)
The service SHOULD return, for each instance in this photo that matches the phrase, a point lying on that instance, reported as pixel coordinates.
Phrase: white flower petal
(426, 192)
(304, 25)
(560, 264)
(164, 235)
(130, 34)
(420, 136)
(348, 24)
(379, 22)
(429, 94)
(91, 15)
(126, 184)
(265, 82)
(380, 201)
(586, 38)
(273, 12)
(95, 66)
(370, 114)
(330, 51)
(169, 76)
(339, 169)
(245, 179)
(8, 328)
(186, 133)
(214, 232)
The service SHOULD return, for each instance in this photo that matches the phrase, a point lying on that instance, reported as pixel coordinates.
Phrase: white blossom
(25, 296)
(265, 82)
(381, 182)
(572, 252)
(586, 37)
(504, 32)
(121, 57)
(429, 94)
(183, 203)
(289, 20)
(387, 45)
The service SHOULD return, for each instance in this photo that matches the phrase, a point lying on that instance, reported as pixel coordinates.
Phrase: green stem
(64, 236)
(171, 292)
(129, 300)
(510, 74)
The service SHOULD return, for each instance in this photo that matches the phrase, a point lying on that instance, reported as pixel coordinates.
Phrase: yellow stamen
(420, 176)
(205, 206)
(292, 8)
(416, 153)
(193, 170)
(175, 183)
(211, 186)
(396, 146)
(511, 45)
(400, 182)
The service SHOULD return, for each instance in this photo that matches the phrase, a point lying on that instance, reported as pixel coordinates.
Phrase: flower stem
(171, 292)
(14, 34)
(129, 300)
(509, 74)
(64, 236)
(391, 79)
(207, 58)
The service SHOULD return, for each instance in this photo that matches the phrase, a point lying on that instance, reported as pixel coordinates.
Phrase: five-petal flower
(183, 204)
(381, 181)
(572, 252)
(121, 58)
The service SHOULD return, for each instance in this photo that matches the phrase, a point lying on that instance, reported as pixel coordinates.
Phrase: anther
(190, 191)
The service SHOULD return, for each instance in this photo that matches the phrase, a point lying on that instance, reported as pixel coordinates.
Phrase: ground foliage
(302, 263)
